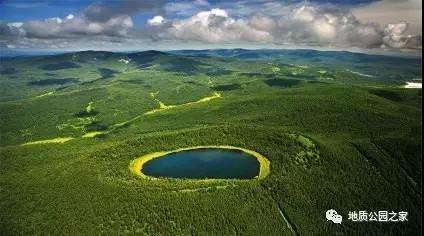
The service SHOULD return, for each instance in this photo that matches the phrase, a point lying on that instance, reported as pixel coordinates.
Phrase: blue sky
(129, 25)
(15, 10)
(35, 10)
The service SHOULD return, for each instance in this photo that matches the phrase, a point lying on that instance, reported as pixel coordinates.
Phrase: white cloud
(216, 26)
(395, 36)
(304, 13)
(15, 24)
(70, 27)
(262, 22)
(70, 17)
(391, 11)
(301, 24)
(155, 21)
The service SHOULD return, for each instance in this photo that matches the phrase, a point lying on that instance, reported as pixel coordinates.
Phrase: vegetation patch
(309, 154)
(95, 126)
(60, 66)
(106, 73)
(163, 107)
(191, 82)
(47, 82)
(218, 72)
(286, 83)
(184, 65)
(133, 81)
(88, 111)
(45, 94)
(93, 134)
(49, 141)
(124, 124)
(85, 121)
(8, 71)
(206, 189)
(316, 82)
(387, 94)
(145, 59)
(260, 75)
(275, 69)
(226, 87)
(78, 124)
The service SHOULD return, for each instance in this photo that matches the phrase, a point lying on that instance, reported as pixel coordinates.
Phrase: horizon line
(16, 52)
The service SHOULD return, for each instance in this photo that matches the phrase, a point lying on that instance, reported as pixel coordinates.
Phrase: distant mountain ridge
(272, 53)
(212, 61)
(236, 52)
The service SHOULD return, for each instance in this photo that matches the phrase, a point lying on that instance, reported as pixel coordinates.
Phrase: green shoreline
(137, 164)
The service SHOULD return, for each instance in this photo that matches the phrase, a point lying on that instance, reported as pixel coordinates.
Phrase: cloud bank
(273, 24)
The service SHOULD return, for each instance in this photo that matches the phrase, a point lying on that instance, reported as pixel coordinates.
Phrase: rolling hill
(338, 128)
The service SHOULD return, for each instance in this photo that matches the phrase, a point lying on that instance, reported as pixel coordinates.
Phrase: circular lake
(202, 163)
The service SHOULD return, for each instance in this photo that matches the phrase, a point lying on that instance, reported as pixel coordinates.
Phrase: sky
(74, 25)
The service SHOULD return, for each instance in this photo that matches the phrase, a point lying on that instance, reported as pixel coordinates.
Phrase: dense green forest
(338, 128)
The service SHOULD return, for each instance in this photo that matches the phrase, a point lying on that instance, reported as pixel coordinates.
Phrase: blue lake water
(213, 163)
